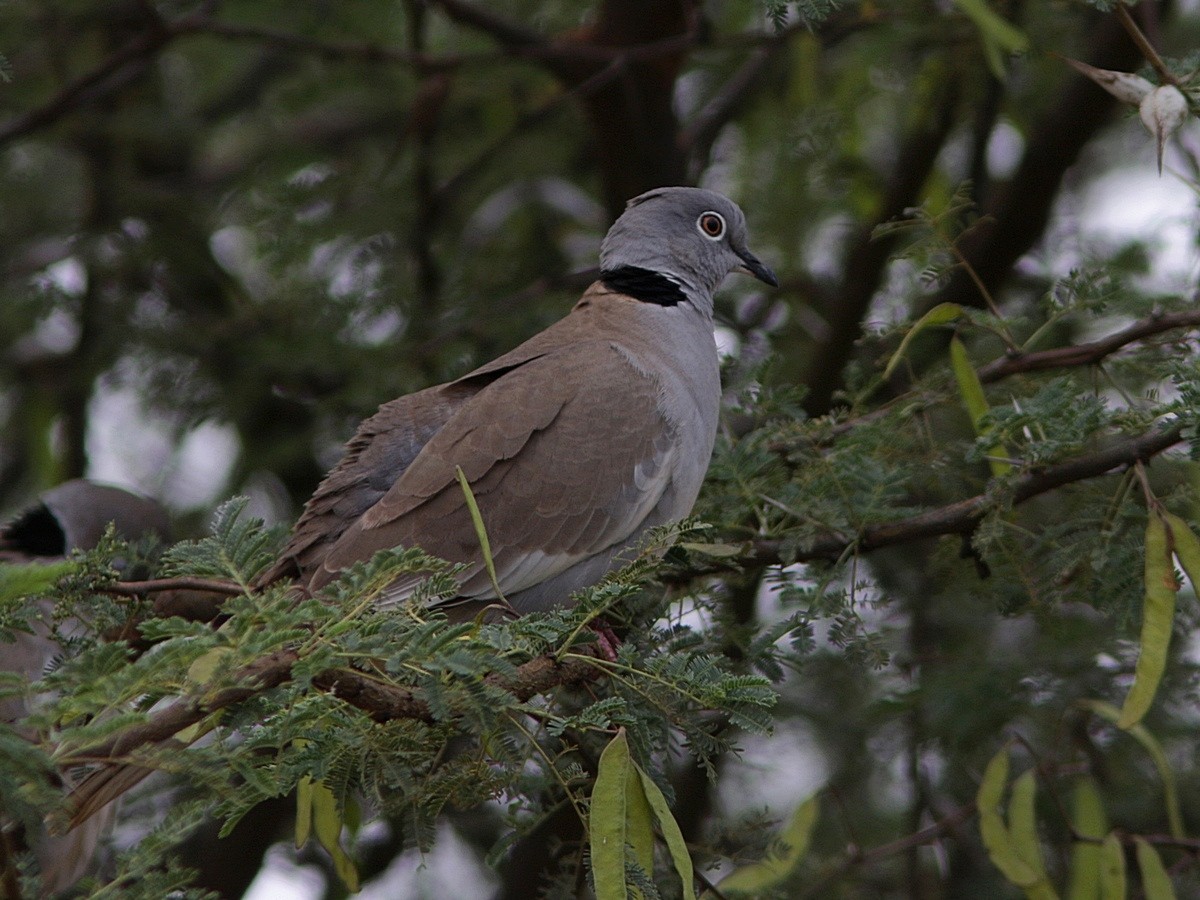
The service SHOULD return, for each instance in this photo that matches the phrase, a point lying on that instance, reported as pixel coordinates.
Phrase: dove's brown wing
(566, 454)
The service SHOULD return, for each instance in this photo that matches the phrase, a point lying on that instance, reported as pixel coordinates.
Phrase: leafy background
(231, 229)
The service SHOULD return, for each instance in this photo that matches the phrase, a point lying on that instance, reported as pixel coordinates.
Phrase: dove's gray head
(692, 236)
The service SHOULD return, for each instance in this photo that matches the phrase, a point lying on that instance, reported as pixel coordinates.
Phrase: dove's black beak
(751, 265)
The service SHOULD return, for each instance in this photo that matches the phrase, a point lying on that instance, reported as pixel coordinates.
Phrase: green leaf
(1158, 614)
(304, 810)
(1088, 820)
(1143, 736)
(1112, 871)
(970, 388)
(1156, 883)
(786, 853)
(999, 36)
(1002, 849)
(480, 531)
(941, 314)
(327, 825)
(32, 579)
(641, 826)
(620, 816)
(676, 845)
(1022, 823)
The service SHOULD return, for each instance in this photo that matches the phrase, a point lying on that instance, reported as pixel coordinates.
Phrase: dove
(574, 443)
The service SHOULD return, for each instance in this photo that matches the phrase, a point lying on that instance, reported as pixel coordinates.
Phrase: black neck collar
(644, 285)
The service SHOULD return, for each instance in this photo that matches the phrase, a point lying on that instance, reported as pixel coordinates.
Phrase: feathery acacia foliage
(945, 525)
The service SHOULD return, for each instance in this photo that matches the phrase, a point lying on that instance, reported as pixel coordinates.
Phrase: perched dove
(574, 443)
(72, 516)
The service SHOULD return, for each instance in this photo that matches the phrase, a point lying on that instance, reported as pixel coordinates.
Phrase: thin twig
(858, 857)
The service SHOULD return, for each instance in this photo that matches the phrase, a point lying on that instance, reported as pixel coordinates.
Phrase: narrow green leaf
(676, 845)
(1158, 614)
(998, 35)
(326, 820)
(783, 857)
(1088, 820)
(607, 820)
(941, 314)
(1001, 848)
(304, 810)
(970, 388)
(327, 825)
(1143, 736)
(639, 822)
(1112, 871)
(485, 545)
(1156, 883)
(31, 579)
(1022, 824)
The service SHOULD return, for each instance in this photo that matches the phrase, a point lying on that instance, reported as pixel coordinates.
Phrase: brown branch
(1162, 840)
(503, 30)
(1091, 352)
(157, 585)
(960, 517)
(336, 50)
(129, 59)
(383, 702)
(859, 857)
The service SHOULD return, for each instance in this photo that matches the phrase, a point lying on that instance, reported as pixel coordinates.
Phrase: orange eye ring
(711, 225)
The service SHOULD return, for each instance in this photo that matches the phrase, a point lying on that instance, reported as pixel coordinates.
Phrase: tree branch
(128, 60)
(383, 702)
(1091, 352)
(503, 30)
(859, 857)
(960, 517)
(158, 585)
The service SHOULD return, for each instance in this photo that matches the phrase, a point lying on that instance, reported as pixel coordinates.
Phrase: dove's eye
(711, 225)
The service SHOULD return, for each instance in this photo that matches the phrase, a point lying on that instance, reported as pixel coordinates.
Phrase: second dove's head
(695, 237)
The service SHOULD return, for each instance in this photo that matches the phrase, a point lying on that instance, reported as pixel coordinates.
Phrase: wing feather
(578, 431)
